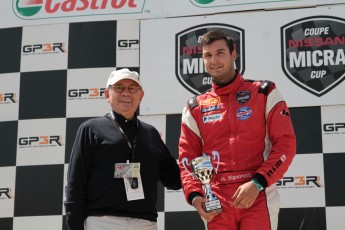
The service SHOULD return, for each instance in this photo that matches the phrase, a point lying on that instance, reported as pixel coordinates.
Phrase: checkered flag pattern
(52, 78)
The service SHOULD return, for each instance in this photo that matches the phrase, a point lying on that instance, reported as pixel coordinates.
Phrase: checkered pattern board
(52, 78)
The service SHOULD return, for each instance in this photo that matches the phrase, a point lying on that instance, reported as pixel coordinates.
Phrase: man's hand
(245, 195)
(198, 203)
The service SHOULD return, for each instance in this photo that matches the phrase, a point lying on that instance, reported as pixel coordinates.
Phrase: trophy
(203, 170)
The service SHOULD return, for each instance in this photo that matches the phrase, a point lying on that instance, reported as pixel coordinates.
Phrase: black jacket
(91, 187)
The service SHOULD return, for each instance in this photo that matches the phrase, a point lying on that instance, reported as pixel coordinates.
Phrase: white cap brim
(122, 74)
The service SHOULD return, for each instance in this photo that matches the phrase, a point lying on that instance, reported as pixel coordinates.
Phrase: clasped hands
(244, 198)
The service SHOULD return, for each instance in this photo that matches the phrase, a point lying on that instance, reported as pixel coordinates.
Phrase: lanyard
(131, 148)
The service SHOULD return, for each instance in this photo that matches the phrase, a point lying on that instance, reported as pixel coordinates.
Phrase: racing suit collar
(229, 88)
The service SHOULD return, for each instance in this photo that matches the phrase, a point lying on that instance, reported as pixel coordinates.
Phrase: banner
(302, 51)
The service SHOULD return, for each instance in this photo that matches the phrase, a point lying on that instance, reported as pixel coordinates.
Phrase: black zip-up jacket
(91, 187)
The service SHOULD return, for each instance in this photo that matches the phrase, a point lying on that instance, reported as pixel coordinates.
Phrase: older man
(116, 163)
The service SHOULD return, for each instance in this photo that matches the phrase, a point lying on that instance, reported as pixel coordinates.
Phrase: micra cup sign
(80, 5)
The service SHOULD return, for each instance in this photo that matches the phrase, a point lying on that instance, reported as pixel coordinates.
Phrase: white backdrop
(262, 57)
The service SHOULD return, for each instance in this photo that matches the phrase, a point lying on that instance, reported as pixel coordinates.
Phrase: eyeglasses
(120, 88)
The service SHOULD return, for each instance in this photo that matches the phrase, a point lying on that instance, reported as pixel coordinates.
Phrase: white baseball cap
(121, 74)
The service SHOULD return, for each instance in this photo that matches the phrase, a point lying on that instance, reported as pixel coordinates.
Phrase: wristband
(194, 199)
(258, 186)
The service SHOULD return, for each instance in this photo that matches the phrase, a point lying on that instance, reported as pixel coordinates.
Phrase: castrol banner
(16, 13)
(33, 12)
(40, 9)
(301, 50)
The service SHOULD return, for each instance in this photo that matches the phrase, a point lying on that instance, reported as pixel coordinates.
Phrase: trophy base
(214, 205)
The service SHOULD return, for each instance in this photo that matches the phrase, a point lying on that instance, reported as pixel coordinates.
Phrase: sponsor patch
(212, 118)
(211, 108)
(211, 101)
(244, 113)
(243, 96)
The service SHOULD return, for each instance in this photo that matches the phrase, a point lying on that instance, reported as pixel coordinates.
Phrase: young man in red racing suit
(248, 123)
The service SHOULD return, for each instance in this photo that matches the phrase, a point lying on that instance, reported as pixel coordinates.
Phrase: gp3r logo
(40, 141)
(85, 93)
(6, 98)
(44, 48)
(334, 127)
(128, 43)
(6, 193)
(300, 181)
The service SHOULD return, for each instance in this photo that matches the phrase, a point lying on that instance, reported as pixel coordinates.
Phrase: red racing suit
(248, 123)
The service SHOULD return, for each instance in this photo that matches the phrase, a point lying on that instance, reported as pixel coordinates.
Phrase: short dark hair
(215, 35)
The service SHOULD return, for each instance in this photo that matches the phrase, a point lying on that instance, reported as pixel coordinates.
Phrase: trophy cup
(203, 170)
